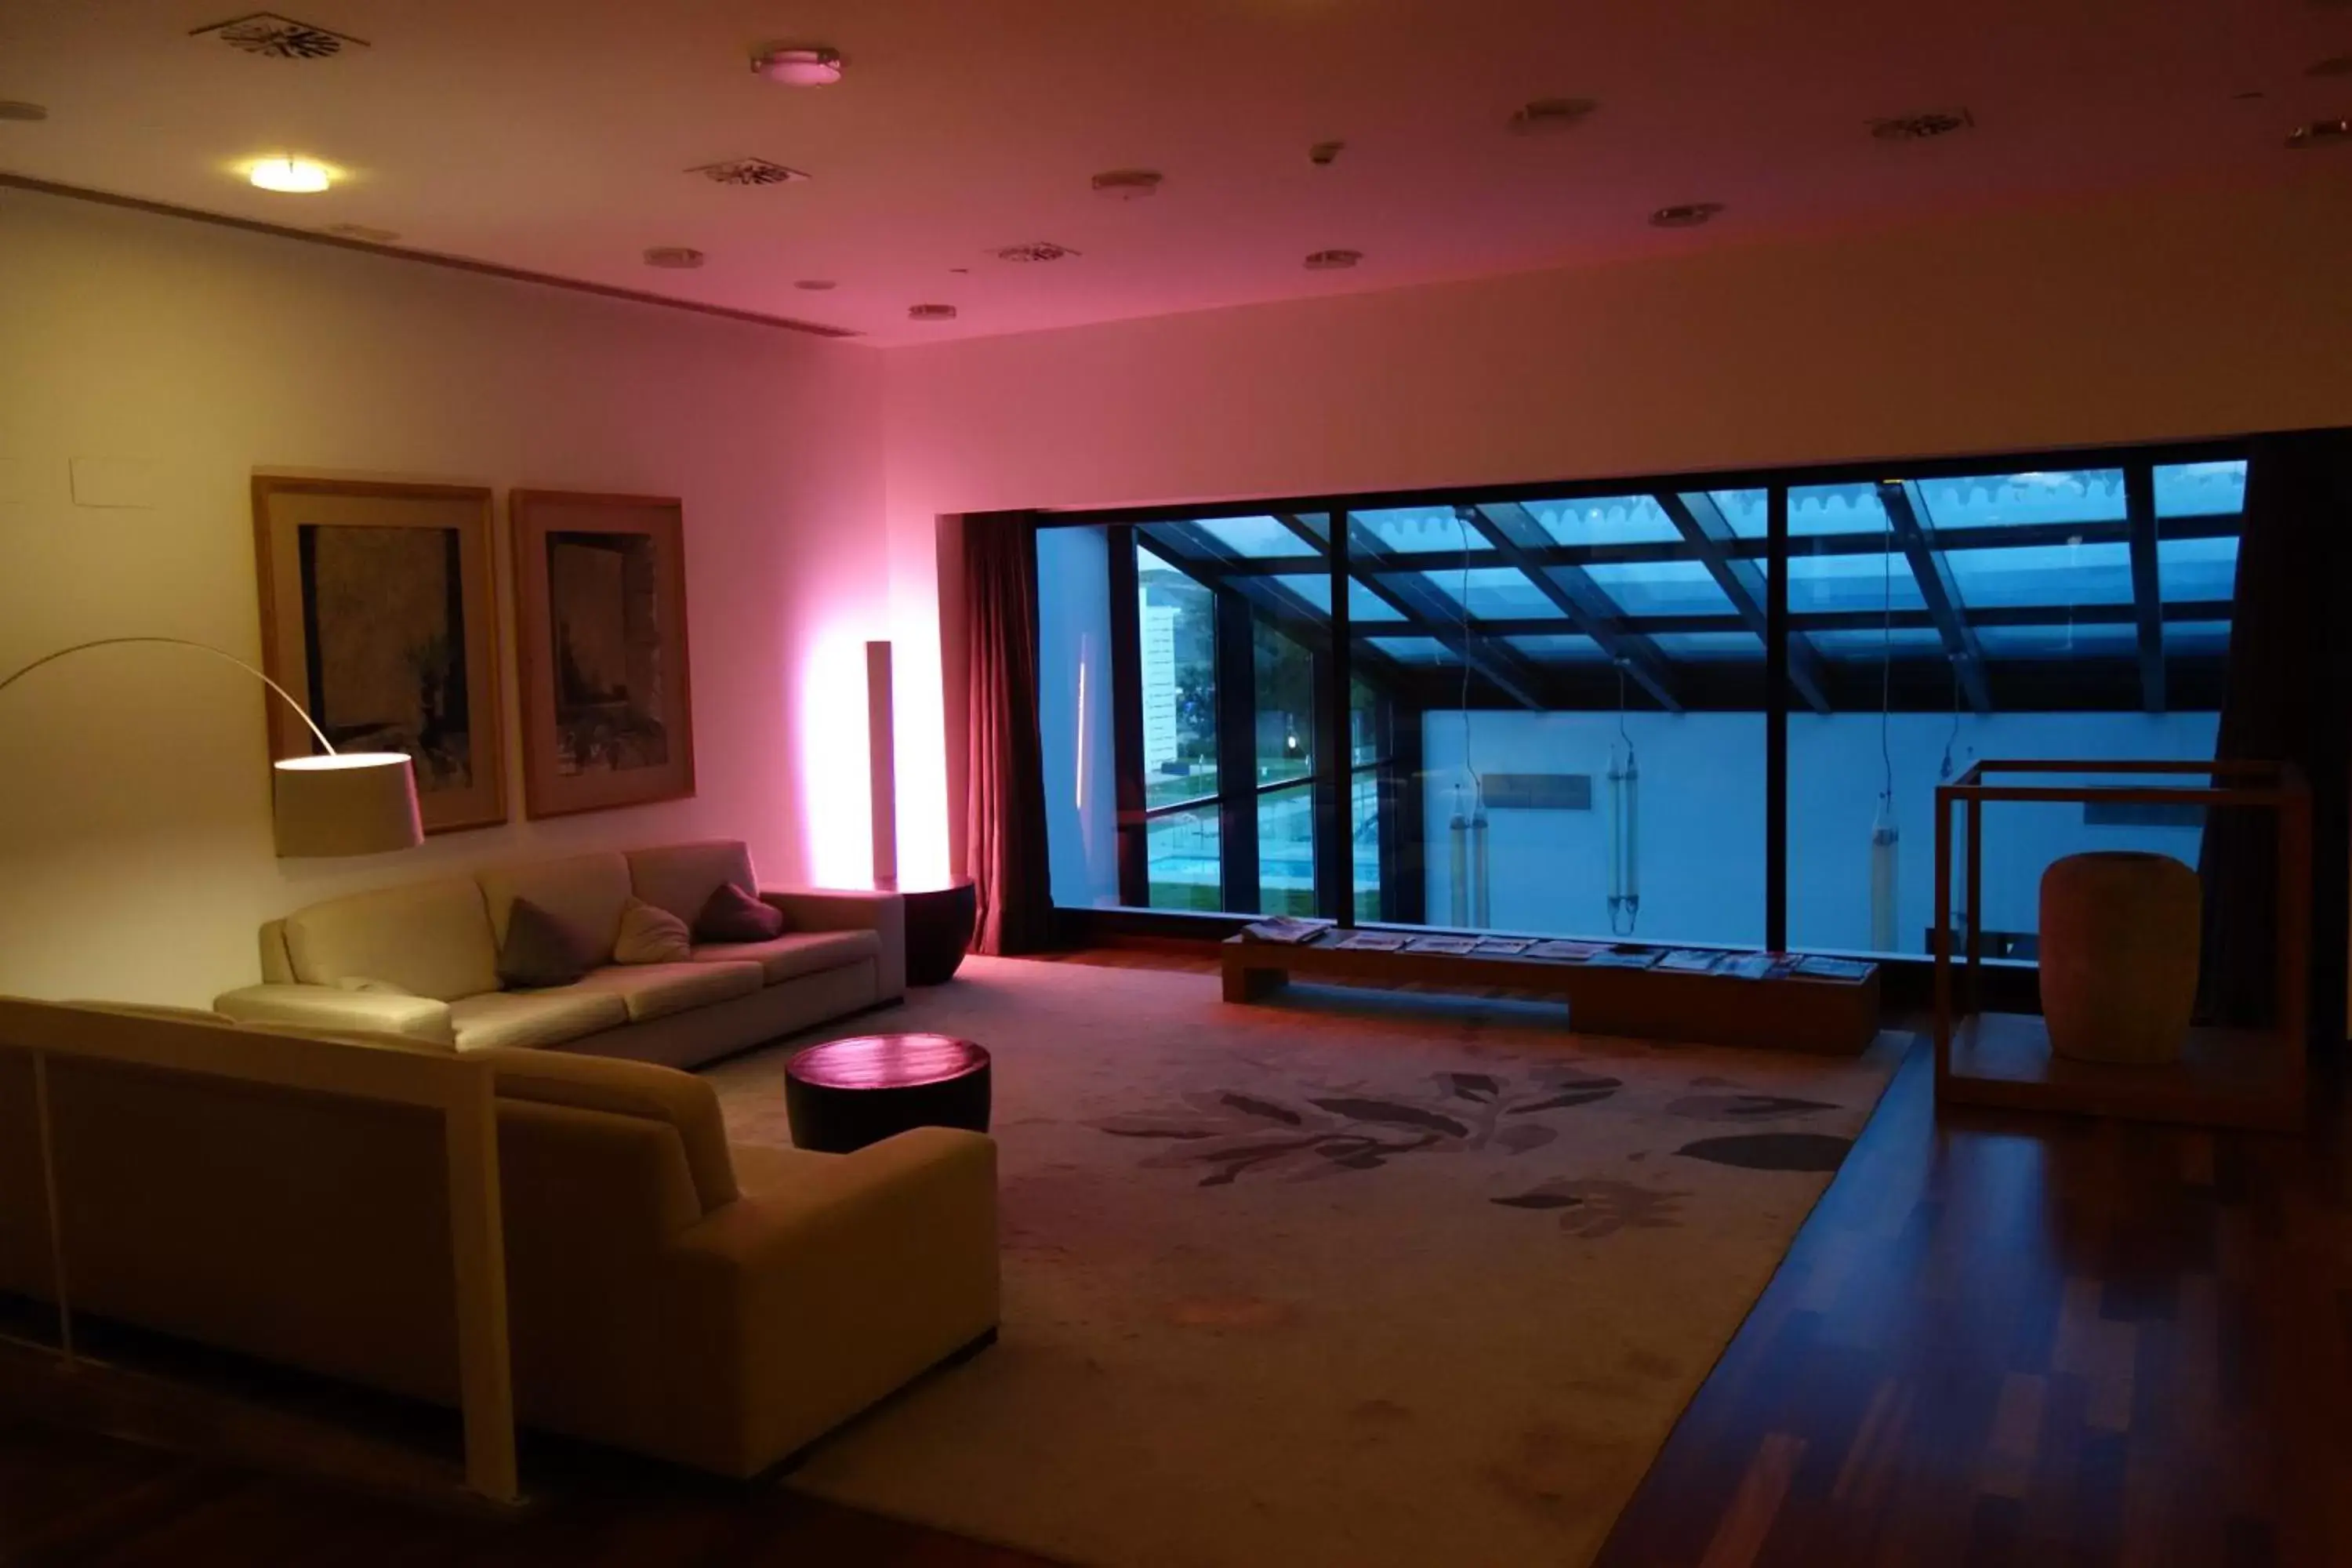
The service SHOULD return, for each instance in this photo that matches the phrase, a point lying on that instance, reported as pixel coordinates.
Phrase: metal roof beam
(1941, 594)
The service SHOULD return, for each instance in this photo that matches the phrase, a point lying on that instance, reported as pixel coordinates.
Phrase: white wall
(1702, 818)
(1073, 714)
(134, 827)
(2171, 314)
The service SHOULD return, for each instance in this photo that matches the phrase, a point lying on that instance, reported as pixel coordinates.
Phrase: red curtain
(2289, 700)
(1006, 792)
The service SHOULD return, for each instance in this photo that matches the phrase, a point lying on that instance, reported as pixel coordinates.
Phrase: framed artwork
(600, 616)
(379, 614)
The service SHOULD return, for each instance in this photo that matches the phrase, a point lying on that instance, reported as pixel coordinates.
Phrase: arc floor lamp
(331, 803)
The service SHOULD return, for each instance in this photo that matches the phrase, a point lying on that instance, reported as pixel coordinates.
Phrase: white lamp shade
(355, 803)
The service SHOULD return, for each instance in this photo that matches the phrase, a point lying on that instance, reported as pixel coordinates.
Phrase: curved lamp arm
(331, 806)
(177, 642)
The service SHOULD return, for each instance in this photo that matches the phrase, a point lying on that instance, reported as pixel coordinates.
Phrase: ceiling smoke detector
(1548, 114)
(930, 312)
(1323, 154)
(359, 232)
(1035, 250)
(748, 172)
(679, 258)
(277, 37)
(1332, 260)
(798, 65)
(1924, 127)
(2321, 134)
(29, 112)
(1685, 214)
(1127, 184)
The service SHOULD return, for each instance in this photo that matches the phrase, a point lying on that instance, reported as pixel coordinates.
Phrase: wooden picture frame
(600, 636)
(379, 614)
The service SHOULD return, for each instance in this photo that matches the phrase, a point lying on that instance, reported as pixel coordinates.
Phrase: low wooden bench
(1796, 1013)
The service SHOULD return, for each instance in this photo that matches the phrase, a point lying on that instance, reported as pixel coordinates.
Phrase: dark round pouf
(939, 931)
(845, 1094)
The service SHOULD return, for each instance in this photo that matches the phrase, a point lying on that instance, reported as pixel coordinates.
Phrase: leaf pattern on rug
(1595, 1207)
(1813, 1151)
(1227, 1134)
(1745, 1107)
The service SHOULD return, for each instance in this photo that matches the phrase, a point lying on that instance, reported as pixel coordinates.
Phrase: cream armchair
(721, 1307)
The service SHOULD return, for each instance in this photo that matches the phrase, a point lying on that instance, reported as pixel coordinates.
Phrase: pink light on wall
(835, 775)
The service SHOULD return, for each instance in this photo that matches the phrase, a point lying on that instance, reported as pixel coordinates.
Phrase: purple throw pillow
(734, 915)
(539, 950)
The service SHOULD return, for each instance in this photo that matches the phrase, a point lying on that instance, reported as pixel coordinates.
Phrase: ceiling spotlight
(815, 285)
(1332, 260)
(1323, 154)
(798, 65)
(680, 257)
(1127, 184)
(1548, 114)
(930, 312)
(2321, 134)
(11, 109)
(1685, 214)
(295, 176)
(1924, 127)
(1035, 250)
(748, 172)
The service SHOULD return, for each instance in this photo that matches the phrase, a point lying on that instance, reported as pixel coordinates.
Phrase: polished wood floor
(1999, 1340)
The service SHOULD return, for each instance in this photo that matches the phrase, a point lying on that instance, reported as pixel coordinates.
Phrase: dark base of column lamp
(939, 931)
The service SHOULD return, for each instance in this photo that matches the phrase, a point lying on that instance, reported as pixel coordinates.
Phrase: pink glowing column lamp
(938, 919)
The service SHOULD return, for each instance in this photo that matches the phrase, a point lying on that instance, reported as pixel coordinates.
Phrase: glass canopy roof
(2132, 567)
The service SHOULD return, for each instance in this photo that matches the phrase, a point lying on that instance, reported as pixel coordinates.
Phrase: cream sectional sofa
(420, 960)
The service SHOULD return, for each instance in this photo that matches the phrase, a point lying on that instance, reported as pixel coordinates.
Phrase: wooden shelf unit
(2250, 1079)
(1829, 1017)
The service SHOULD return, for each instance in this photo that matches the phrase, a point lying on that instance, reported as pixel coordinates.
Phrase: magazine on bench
(1286, 931)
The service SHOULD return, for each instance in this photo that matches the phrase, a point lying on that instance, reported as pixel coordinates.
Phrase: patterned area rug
(1356, 1277)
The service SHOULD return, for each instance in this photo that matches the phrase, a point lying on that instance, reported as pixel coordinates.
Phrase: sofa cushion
(586, 893)
(539, 950)
(656, 990)
(732, 914)
(651, 934)
(680, 878)
(534, 1017)
(429, 938)
(630, 1088)
(795, 953)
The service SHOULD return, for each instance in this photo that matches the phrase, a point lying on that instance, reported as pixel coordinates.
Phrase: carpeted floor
(1358, 1277)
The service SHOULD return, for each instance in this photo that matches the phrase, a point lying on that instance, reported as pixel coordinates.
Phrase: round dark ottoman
(845, 1094)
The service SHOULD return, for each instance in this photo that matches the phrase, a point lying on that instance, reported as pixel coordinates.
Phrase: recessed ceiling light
(1923, 126)
(1332, 260)
(1548, 114)
(1323, 154)
(361, 232)
(930, 312)
(27, 111)
(798, 65)
(1127, 184)
(683, 257)
(748, 172)
(2321, 134)
(277, 38)
(1685, 214)
(293, 176)
(1035, 250)
(815, 285)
